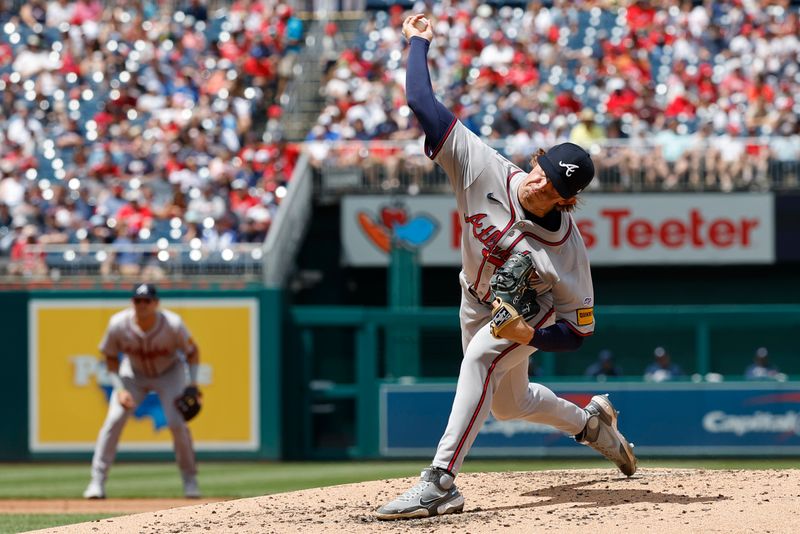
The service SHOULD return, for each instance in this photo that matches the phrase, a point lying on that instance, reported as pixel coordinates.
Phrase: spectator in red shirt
(640, 15)
(240, 198)
(622, 100)
(135, 214)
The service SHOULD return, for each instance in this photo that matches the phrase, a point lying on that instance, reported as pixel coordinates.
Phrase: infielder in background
(152, 341)
(526, 286)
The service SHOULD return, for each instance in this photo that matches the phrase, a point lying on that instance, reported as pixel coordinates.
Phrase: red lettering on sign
(616, 218)
(722, 233)
(695, 232)
(672, 233)
(695, 224)
(640, 233)
(747, 225)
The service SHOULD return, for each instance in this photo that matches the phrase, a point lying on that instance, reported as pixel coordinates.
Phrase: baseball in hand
(421, 24)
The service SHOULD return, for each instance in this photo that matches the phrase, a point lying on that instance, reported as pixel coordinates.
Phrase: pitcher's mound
(655, 500)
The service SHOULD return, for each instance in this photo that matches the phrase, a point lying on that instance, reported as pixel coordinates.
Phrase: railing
(286, 235)
(713, 164)
(266, 263)
(135, 261)
(370, 366)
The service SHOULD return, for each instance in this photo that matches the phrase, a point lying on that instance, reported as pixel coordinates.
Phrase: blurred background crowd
(663, 369)
(125, 122)
(129, 122)
(668, 95)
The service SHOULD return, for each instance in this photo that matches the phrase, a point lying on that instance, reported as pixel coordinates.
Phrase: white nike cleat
(434, 494)
(602, 435)
(95, 490)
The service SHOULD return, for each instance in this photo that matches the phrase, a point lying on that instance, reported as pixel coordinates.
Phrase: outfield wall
(313, 382)
(57, 395)
(341, 399)
(668, 419)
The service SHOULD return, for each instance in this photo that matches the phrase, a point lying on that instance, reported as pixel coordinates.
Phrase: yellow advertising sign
(69, 387)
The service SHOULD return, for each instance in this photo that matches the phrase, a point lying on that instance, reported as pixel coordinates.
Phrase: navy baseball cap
(568, 167)
(145, 291)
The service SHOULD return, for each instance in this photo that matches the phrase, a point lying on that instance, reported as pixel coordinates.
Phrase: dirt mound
(661, 500)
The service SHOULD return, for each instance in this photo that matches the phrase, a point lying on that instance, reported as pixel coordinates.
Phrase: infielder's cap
(568, 167)
(147, 291)
(762, 352)
(660, 352)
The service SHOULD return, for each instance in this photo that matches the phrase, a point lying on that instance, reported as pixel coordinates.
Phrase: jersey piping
(435, 152)
(480, 403)
(575, 330)
(543, 240)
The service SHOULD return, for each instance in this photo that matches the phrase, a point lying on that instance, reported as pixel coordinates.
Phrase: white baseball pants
(494, 376)
(167, 386)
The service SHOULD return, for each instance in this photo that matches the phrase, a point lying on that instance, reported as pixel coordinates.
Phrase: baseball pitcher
(526, 286)
(150, 341)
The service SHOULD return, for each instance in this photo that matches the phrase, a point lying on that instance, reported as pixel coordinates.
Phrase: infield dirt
(656, 500)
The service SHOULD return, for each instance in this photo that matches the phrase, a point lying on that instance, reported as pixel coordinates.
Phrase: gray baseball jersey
(150, 353)
(485, 184)
(494, 372)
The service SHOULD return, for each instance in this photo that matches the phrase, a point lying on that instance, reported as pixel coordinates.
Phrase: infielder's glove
(515, 298)
(188, 404)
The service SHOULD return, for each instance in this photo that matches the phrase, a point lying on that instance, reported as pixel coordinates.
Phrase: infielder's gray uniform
(152, 363)
(494, 372)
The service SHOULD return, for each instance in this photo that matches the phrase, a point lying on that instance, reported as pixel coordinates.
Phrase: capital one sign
(618, 229)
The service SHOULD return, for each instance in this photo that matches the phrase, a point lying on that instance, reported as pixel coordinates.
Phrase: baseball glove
(188, 404)
(515, 298)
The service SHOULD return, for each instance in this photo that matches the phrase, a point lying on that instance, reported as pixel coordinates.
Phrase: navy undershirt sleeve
(431, 114)
(556, 338)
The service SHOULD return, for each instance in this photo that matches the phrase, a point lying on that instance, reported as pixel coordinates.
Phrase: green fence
(342, 356)
(320, 367)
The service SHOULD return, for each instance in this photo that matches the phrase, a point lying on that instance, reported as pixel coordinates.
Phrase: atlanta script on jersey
(485, 185)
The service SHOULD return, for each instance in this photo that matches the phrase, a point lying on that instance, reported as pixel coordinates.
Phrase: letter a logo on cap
(141, 290)
(569, 166)
(571, 177)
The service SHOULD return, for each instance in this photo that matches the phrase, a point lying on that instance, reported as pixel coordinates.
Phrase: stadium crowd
(129, 122)
(136, 123)
(697, 95)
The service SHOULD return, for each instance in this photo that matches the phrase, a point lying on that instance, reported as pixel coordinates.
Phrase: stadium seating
(139, 123)
(705, 94)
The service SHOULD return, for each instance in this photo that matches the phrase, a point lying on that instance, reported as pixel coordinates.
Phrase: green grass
(24, 522)
(248, 479)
